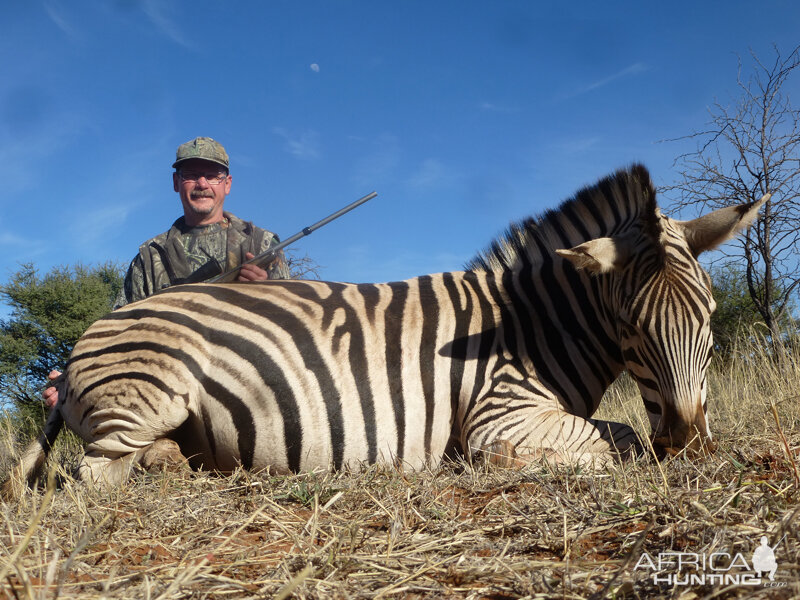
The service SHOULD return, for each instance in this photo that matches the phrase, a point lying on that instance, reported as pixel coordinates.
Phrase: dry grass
(456, 531)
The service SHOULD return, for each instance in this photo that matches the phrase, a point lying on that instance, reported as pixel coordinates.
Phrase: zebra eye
(627, 330)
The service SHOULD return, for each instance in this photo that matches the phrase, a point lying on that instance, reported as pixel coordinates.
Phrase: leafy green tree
(48, 315)
(736, 315)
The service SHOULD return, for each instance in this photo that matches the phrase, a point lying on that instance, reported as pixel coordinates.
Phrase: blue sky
(462, 115)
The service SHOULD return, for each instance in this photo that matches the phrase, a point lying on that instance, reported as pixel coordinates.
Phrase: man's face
(201, 198)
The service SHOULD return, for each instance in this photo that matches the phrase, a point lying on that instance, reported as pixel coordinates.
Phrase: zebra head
(660, 297)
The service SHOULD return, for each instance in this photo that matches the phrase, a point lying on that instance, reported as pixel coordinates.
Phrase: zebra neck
(567, 330)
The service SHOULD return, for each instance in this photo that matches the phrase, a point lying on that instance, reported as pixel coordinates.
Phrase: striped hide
(511, 356)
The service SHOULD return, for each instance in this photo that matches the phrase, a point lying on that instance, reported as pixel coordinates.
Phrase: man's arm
(276, 269)
(133, 285)
(251, 272)
(279, 268)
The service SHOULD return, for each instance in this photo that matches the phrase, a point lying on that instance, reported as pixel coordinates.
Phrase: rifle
(212, 267)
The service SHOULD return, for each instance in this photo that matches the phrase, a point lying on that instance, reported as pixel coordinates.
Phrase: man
(205, 239)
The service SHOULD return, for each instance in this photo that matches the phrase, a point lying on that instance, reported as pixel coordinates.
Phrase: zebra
(510, 357)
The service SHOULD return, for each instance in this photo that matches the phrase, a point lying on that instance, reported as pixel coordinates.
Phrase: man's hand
(50, 395)
(251, 272)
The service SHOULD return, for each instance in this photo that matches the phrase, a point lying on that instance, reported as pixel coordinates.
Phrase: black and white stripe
(296, 375)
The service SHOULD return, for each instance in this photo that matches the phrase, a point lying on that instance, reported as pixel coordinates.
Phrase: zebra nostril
(697, 446)
(700, 446)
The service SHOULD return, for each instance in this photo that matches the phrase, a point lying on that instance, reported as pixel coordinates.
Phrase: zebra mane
(615, 204)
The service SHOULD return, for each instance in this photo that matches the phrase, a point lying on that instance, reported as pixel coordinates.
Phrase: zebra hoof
(163, 455)
(502, 453)
(11, 489)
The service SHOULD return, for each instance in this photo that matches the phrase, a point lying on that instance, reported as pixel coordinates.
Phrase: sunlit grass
(458, 530)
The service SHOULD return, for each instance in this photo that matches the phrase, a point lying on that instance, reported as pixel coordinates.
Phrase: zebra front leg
(124, 427)
(112, 468)
(527, 435)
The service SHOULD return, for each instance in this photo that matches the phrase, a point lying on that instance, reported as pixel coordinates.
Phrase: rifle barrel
(266, 257)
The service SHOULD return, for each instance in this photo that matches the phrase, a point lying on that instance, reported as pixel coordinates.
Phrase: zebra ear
(709, 231)
(600, 255)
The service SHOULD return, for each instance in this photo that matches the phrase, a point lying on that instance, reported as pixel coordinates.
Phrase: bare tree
(750, 148)
(301, 267)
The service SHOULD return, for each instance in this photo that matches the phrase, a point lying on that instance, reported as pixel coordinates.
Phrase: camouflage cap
(204, 148)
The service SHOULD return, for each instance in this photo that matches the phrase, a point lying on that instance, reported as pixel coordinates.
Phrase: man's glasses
(212, 178)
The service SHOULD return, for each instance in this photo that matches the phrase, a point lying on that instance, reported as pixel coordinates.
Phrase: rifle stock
(207, 271)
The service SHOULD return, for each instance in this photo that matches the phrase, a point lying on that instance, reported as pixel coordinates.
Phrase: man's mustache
(201, 194)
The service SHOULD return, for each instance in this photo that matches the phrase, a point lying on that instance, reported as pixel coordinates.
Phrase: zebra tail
(32, 460)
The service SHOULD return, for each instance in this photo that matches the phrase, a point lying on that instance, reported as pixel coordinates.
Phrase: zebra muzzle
(698, 446)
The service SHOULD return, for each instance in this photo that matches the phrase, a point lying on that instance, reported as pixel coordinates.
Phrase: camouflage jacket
(169, 258)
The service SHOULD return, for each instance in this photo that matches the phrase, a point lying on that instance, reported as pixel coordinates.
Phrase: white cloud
(11, 239)
(23, 154)
(103, 220)
(631, 70)
(314, 67)
(304, 145)
(432, 173)
(155, 11)
(54, 11)
(90, 237)
(498, 108)
(577, 146)
(379, 163)
(18, 250)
